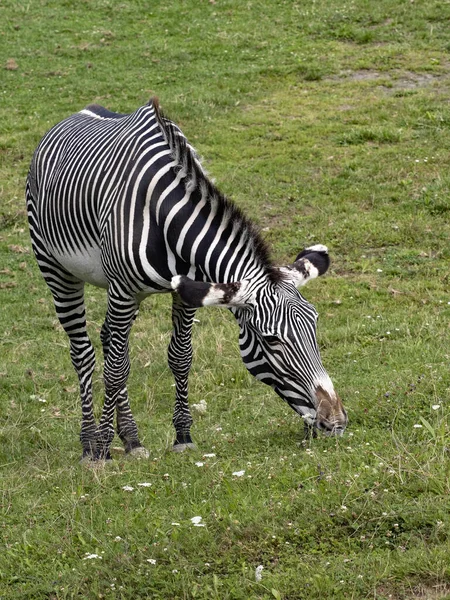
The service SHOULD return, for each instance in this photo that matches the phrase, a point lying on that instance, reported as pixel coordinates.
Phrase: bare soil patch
(394, 80)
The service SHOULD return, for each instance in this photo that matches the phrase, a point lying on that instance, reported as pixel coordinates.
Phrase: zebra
(122, 201)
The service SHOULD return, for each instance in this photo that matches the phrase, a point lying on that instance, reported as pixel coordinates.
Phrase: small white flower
(417, 426)
(196, 520)
(436, 406)
(117, 538)
(258, 573)
(238, 473)
(152, 561)
(343, 508)
(175, 524)
(211, 455)
(199, 464)
(379, 270)
(91, 556)
(144, 484)
(174, 571)
(201, 407)
(128, 488)
(38, 398)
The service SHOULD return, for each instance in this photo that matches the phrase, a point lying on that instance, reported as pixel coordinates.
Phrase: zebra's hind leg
(68, 297)
(126, 425)
(180, 361)
(115, 332)
(70, 309)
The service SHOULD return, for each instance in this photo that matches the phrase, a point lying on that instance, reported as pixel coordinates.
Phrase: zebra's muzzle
(331, 417)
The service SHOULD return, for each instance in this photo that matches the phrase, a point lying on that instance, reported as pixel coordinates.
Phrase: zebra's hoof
(139, 453)
(182, 447)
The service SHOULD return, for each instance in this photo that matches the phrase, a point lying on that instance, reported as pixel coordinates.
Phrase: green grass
(326, 122)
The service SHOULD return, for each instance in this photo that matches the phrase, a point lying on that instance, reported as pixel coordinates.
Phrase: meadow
(326, 122)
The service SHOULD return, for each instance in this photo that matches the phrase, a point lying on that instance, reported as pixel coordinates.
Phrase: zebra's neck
(202, 227)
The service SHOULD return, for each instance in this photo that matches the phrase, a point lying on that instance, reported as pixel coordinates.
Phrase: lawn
(326, 122)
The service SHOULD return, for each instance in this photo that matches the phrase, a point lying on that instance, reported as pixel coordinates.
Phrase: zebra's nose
(331, 415)
(330, 429)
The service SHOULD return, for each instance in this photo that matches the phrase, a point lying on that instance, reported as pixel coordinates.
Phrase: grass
(326, 122)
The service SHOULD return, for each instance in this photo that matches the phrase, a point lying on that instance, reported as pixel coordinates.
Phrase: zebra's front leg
(115, 334)
(180, 361)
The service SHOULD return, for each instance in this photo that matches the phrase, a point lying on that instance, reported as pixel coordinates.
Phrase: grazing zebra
(121, 201)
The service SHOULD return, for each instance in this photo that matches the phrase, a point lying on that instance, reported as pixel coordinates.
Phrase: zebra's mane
(190, 164)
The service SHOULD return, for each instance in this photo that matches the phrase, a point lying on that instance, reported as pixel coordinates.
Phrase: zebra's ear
(309, 264)
(199, 293)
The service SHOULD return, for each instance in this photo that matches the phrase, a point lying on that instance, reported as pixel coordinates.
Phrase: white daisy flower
(197, 521)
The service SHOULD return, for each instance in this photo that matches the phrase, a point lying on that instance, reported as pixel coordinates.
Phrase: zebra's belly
(85, 264)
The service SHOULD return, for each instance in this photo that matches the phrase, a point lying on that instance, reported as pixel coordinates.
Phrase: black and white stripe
(122, 202)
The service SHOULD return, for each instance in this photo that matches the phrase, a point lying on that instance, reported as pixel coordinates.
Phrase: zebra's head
(277, 339)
